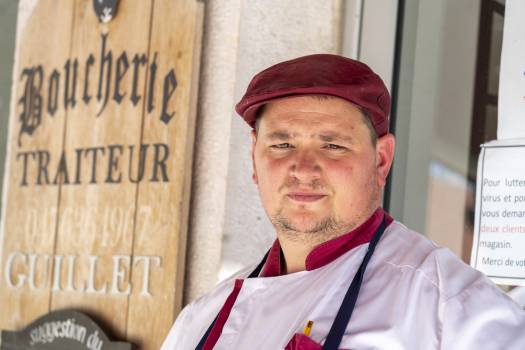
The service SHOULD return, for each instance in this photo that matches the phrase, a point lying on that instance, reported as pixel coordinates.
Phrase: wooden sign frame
(98, 167)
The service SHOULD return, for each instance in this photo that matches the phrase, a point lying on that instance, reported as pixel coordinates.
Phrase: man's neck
(297, 245)
(295, 254)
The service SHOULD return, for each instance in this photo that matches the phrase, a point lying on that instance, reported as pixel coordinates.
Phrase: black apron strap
(258, 269)
(255, 273)
(335, 335)
(206, 335)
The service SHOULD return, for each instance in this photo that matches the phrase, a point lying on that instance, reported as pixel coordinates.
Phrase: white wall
(212, 144)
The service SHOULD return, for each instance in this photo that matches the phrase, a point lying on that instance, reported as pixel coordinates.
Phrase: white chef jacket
(415, 295)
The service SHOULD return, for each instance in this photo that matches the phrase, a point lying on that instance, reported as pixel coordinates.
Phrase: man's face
(315, 165)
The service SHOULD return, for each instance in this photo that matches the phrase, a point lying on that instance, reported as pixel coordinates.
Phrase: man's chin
(304, 224)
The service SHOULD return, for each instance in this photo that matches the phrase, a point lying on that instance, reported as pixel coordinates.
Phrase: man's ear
(385, 148)
(254, 173)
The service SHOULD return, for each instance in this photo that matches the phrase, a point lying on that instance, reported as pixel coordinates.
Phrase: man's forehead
(332, 119)
(326, 135)
(314, 111)
(301, 102)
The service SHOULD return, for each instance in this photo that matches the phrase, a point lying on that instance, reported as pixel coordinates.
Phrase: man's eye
(333, 146)
(281, 146)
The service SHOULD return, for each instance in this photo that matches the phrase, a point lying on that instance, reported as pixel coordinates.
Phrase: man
(341, 273)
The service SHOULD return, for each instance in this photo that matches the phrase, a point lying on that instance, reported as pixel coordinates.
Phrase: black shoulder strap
(335, 335)
(255, 273)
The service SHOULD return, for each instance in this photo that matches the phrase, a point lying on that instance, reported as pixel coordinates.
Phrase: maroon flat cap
(321, 74)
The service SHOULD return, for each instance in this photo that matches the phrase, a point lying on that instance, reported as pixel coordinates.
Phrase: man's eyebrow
(330, 137)
(279, 135)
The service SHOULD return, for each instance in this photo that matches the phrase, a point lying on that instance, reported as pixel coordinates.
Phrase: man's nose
(305, 166)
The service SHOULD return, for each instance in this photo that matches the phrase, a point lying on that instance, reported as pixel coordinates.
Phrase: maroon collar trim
(328, 251)
(272, 266)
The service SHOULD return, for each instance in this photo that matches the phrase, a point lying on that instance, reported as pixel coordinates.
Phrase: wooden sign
(99, 163)
(61, 330)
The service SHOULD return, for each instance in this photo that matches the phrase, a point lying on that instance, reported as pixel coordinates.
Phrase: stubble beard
(317, 232)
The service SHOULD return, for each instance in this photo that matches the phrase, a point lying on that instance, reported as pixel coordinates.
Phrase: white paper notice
(499, 229)
(511, 105)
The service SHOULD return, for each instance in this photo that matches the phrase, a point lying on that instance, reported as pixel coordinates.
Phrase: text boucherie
(46, 92)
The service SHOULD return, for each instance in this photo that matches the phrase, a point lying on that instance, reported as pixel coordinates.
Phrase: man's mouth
(305, 197)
